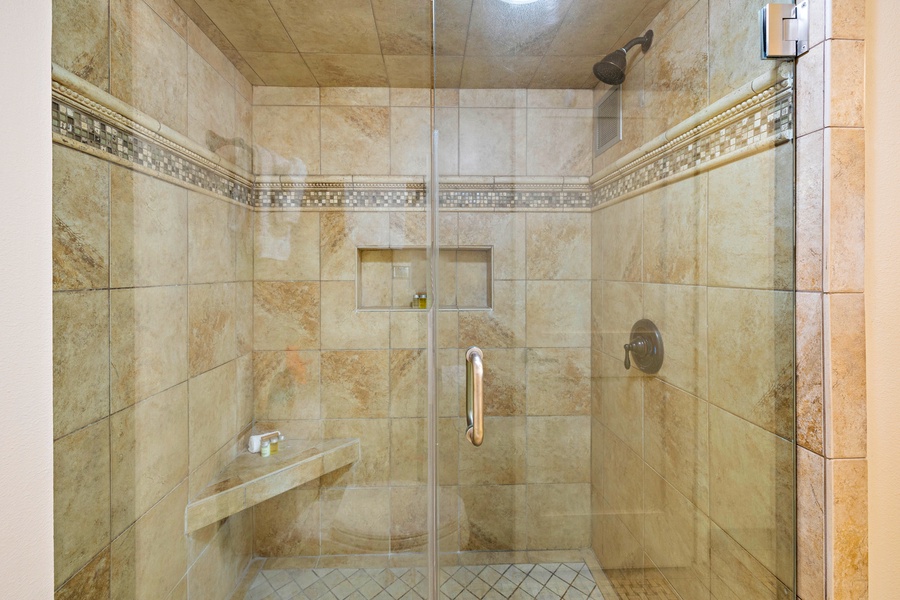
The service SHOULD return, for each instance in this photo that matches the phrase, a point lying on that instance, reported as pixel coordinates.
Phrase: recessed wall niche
(391, 278)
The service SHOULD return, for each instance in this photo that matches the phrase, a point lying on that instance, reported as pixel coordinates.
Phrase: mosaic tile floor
(640, 584)
(545, 581)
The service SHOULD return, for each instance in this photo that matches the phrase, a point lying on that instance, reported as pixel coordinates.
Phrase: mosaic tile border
(512, 196)
(337, 195)
(763, 120)
(414, 196)
(76, 124)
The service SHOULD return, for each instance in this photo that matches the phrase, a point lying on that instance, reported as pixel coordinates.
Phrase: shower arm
(645, 41)
(632, 44)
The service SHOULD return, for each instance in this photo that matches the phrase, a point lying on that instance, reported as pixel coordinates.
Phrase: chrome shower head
(611, 69)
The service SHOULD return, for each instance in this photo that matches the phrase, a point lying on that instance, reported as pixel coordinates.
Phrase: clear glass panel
(369, 235)
(241, 221)
(677, 483)
(244, 217)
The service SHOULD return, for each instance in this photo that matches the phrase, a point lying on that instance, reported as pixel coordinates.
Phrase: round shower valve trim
(645, 347)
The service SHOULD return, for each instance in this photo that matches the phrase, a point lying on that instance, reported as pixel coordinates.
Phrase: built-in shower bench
(251, 479)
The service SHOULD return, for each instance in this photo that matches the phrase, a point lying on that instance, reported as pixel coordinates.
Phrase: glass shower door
(600, 473)
(514, 272)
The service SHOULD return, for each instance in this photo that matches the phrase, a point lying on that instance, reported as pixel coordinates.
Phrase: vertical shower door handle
(475, 395)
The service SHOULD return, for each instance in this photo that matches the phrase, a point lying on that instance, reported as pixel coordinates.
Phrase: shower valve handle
(645, 347)
(639, 347)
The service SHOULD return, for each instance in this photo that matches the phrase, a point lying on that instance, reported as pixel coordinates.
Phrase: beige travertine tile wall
(127, 63)
(701, 453)
(386, 131)
(831, 401)
(686, 69)
(323, 368)
(152, 327)
(149, 54)
(692, 469)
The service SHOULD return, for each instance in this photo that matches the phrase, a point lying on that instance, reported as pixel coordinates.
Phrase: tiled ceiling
(373, 43)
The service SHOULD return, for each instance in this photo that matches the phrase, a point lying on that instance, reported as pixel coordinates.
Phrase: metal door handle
(475, 395)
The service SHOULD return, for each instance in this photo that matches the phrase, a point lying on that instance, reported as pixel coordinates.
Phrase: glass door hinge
(784, 30)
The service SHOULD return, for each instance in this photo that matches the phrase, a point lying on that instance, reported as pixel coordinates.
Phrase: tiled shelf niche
(389, 278)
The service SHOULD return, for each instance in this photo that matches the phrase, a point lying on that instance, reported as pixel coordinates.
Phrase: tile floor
(544, 581)
(638, 584)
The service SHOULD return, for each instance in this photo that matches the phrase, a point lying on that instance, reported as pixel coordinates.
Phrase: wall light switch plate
(401, 271)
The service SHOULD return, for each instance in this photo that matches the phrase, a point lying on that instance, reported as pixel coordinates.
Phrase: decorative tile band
(766, 117)
(413, 196)
(339, 195)
(511, 197)
(764, 120)
(78, 124)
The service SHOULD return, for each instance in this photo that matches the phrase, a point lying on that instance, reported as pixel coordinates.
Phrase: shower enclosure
(385, 229)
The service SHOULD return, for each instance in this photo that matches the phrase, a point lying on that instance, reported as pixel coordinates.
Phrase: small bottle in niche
(265, 449)
(273, 445)
(422, 300)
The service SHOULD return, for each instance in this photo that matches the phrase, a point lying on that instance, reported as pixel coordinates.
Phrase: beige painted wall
(26, 496)
(882, 291)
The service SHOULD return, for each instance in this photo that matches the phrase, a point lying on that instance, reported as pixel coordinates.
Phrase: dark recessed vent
(608, 120)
